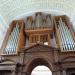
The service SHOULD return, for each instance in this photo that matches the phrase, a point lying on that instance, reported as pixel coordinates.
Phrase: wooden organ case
(40, 30)
(54, 31)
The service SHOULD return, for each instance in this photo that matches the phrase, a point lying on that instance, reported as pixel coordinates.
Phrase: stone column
(13, 72)
(64, 72)
(53, 73)
(56, 56)
(57, 72)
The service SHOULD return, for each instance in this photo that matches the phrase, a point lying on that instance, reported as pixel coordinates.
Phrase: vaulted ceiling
(15, 9)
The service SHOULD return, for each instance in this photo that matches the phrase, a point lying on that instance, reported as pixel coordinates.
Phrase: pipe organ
(40, 37)
(39, 22)
(12, 41)
(66, 39)
(40, 29)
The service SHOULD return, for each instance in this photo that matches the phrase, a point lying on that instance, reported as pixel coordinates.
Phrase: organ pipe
(67, 41)
(33, 25)
(29, 22)
(48, 21)
(12, 41)
(38, 20)
(44, 23)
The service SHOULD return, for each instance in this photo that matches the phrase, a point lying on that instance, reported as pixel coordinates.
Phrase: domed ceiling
(15, 9)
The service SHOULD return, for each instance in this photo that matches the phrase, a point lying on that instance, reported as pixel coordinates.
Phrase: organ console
(39, 30)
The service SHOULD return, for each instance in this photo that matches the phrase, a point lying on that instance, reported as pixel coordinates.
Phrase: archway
(39, 55)
(41, 70)
(40, 64)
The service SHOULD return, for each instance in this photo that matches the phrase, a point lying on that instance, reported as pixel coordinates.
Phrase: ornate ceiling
(15, 9)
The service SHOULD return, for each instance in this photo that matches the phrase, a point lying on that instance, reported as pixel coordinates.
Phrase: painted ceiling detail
(15, 9)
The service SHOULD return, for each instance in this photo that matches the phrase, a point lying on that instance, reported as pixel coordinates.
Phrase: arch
(37, 62)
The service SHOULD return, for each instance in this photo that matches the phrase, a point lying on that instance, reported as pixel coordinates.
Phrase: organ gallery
(43, 39)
